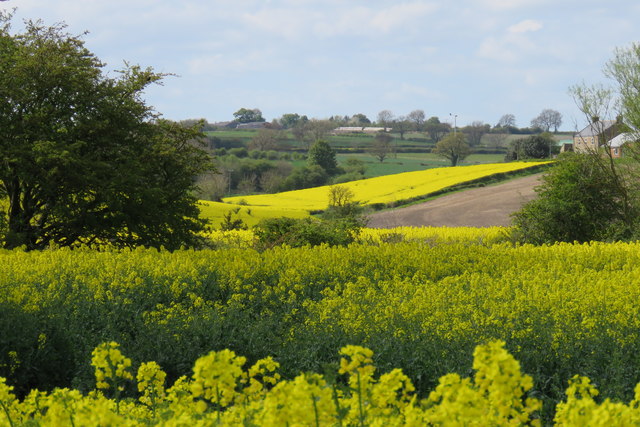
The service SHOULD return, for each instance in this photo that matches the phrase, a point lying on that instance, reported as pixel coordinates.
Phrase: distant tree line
(415, 121)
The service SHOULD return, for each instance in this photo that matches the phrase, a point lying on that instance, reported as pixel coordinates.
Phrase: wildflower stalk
(218, 401)
(337, 403)
(315, 409)
(360, 405)
(6, 411)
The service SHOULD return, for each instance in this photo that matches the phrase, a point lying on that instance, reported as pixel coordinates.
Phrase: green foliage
(576, 201)
(305, 177)
(246, 115)
(453, 147)
(304, 232)
(381, 146)
(84, 158)
(290, 120)
(344, 209)
(230, 223)
(323, 155)
(532, 147)
(435, 129)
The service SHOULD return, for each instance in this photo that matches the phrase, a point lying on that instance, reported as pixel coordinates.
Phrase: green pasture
(409, 162)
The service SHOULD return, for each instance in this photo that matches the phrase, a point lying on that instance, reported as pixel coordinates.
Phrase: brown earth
(477, 207)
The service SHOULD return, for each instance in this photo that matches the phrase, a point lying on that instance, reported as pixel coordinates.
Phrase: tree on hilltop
(547, 119)
(246, 115)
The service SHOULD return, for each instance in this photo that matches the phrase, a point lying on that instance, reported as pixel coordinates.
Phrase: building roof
(621, 139)
(596, 128)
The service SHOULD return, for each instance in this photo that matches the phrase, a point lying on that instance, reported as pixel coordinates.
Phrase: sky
(462, 61)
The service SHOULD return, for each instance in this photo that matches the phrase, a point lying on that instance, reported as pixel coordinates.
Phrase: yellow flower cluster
(218, 394)
(383, 189)
(111, 367)
(580, 408)
(151, 383)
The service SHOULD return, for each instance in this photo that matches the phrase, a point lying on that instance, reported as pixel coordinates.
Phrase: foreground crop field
(222, 391)
(421, 304)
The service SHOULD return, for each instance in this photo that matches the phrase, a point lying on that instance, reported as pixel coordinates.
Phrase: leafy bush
(577, 201)
(305, 177)
(304, 232)
(238, 152)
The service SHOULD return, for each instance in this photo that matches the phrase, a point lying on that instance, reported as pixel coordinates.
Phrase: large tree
(248, 115)
(84, 159)
(385, 117)
(381, 146)
(435, 129)
(266, 139)
(507, 121)
(323, 155)
(417, 117)
(547, 119)
(475, 131)
(401, 125)
(453, 147)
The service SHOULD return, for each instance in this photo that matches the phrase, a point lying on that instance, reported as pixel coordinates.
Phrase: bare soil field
(477, 207)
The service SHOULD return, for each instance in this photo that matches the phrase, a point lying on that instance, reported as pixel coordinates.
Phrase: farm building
(619, 143)
(360, 129)
(596, 135)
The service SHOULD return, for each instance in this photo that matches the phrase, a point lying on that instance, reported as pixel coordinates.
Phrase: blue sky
(477, 59)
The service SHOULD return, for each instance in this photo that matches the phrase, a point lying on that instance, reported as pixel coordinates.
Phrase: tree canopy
(547, 119)
(323, 155)
(247, 115)
(84, 159)
(453, 147)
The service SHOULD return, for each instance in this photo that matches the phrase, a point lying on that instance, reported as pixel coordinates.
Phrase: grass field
(415, 140)
(409, 162)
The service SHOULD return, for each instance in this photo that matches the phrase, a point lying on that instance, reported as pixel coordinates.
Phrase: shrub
(576, 202)
(238, 152)
(303, 232)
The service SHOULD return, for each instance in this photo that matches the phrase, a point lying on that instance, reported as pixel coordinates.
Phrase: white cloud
(513, 44)
(526, 26)
(287, 23)
(371, 21)
(510, 4)
(400, 15)
(498, 49)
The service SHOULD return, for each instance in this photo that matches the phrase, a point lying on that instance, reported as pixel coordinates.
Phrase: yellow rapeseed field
(250, 215)
(383, 189)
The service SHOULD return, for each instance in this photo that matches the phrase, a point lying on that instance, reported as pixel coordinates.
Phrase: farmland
(421, 302)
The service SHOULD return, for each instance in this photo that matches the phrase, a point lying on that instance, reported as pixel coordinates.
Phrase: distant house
(230, 125)
(253, 125)
(596, 135)
(619, 143)
(348, 129)
(359, 129)
(375, 130)
(565, 145)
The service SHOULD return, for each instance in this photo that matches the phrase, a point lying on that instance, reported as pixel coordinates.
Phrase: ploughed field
(477, 207)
